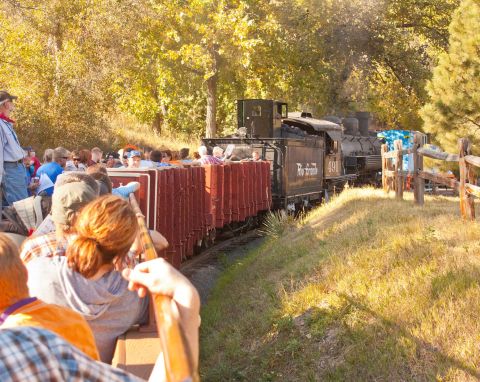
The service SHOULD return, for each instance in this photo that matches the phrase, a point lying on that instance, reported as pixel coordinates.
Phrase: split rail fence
(393, 175)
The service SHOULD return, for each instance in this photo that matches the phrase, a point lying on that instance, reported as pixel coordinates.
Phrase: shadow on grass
(455, 282)
(256, 352)
(444, 361)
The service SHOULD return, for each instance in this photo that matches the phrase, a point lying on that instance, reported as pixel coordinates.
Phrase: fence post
(418, 182)
(398, 170)
(467, 208)
(472, 180)
(384, 167)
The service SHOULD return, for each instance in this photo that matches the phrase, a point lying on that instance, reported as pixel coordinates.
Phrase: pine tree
(454, 107)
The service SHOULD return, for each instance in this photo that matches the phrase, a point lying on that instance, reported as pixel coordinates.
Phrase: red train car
(188, 204)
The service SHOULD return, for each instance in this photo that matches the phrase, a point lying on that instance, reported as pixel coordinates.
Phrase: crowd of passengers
(60, 160)
(70, 277)
(71, 281)
(73, 285)
(151, 158)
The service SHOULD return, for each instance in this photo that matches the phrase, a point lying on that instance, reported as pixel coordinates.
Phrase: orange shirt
(62, 321)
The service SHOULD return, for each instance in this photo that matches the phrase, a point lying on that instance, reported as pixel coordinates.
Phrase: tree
(454, 107)
(57, 71)
(380, 54)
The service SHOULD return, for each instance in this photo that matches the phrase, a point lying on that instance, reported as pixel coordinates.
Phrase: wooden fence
(393, 176)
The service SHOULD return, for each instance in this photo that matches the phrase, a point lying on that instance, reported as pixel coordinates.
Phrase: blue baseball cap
(134, 153)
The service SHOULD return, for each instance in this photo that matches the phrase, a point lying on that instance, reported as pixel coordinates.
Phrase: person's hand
(159, 241)
(159, 277)
(33, 185)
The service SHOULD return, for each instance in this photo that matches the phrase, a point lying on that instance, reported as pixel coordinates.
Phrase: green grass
(365, 288)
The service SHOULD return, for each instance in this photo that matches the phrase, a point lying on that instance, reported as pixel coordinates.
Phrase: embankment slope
(363, 289)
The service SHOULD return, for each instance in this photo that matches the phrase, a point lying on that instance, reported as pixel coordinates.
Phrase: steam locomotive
(309, 158)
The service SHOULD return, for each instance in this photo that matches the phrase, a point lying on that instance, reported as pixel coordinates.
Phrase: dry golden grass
(365, 288)
(129, 131)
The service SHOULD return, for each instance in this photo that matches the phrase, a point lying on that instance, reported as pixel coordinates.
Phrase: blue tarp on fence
(406, 136)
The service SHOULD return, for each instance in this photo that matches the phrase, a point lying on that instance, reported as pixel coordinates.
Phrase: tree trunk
(57, 45)
(211, 130)
(157, 123)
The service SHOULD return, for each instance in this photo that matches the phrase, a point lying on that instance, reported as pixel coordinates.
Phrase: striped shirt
(210, 159)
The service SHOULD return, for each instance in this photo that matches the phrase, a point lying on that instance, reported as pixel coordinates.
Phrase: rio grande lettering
(310, 169)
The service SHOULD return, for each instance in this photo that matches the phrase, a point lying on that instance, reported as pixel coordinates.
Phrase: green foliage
(177, 67)
(277, 223)
(454, 107)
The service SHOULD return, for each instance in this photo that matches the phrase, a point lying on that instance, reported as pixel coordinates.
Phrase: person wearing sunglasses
(55, 168)
(12, 170)
(75, 164)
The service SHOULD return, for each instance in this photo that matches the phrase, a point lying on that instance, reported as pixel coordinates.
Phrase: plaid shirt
(43, 246)
(48, 246)
(33, 354)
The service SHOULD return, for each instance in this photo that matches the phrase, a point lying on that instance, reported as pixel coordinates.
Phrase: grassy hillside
(363, 289)
(127, 130)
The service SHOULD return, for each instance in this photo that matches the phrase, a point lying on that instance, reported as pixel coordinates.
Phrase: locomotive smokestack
(363, 122)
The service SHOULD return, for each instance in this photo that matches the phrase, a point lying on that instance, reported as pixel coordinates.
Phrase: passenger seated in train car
(53, 169)
(18, 308)
(255, 157)
(147, 150)
(134, 159)
(184, 155)
(167, 156)
(156, 158)
(112, 160)
(123, 156)
(218, 153)
(74, 164)
(58, 360)
(72, 192)
(99, 173)
(180, 157)
(87, 279)
(205, 158)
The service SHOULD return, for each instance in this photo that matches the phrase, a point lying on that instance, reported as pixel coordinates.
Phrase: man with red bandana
(12, 170)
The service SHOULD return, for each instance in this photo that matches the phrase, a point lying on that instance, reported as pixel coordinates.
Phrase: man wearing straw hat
(12, 170)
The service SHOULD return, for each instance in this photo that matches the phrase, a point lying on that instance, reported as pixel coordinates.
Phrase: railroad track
(211, 255)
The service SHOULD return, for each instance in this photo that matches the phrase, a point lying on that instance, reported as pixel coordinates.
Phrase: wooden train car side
(187, 204)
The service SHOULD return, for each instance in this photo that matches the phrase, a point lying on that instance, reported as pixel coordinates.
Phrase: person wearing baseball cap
(12, 170)
(134, 159)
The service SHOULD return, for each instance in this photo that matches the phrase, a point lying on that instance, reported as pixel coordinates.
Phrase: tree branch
(442, 36)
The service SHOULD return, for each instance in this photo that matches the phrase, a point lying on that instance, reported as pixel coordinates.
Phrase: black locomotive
(309, 157)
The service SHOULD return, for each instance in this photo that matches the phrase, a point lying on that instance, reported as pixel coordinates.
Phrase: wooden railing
(393, 175)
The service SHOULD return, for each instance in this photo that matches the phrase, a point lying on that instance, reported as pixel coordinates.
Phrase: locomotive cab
(261, 118)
